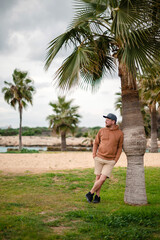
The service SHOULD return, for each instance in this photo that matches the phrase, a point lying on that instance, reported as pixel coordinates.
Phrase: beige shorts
(103, 167)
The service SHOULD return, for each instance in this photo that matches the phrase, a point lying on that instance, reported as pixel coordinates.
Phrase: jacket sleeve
(96, 144)
(119, 149)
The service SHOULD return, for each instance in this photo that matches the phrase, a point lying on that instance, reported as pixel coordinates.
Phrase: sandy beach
(48, 162)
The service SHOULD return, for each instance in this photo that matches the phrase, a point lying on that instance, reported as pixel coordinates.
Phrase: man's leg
(98, 169)
(98, 190)
(100, 179)
(89, 195)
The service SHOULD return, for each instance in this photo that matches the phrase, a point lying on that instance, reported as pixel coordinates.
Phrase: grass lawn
(53, 206)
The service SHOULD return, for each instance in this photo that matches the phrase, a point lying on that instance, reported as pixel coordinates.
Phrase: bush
(28, 133)
(24, 150)
(79, 134)
(9, 132)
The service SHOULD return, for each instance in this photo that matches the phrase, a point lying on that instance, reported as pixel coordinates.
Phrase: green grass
(24, 150)
(53, 206)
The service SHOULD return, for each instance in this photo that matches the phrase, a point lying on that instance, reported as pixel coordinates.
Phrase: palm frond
(72, 36)
(101, 31)
(140, 51)
(20, 91)
(90, 60)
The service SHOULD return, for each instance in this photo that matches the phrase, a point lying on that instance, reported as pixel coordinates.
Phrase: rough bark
(63, 141)
(134, 140)
(154, 134)
(135, 192)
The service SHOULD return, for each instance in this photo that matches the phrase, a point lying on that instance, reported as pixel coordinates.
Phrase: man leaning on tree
(107, 149)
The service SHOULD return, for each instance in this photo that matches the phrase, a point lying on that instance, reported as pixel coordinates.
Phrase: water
(4, 149)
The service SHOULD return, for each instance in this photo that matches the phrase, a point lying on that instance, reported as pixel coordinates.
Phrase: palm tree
(102, 34)
(64, 119)
(19, 93)
(91, 136)
(144, 111)
(150, 96)
(118, 102)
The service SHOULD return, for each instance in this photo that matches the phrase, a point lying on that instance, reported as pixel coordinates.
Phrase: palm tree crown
(20, 91)
(65, 118)
(101, 32)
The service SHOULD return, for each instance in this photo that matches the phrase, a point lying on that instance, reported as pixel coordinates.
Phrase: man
(107, 149)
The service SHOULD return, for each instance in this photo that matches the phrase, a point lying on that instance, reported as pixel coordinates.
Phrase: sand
(48, 162)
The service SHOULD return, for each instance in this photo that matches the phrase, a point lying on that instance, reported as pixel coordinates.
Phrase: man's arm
(96, 144)
(119, 150)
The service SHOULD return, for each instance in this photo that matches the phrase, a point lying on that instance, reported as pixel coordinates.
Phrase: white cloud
(27, 28)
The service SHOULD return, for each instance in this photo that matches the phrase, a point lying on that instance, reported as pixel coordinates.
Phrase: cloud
(38, 19)
(26, 29)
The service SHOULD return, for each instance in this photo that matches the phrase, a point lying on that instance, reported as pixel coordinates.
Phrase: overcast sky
(27, 26)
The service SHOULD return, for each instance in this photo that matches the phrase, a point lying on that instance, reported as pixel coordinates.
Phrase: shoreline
(41, 141)
(44, 141)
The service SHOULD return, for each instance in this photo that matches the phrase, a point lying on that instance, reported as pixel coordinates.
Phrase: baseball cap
(111, 116)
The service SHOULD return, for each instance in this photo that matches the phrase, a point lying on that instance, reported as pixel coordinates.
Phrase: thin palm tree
(118, 102)
(105, 33)
(150, 95)
(65, 118)
(20, 92)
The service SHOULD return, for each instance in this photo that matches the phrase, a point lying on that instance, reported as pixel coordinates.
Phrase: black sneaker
(96, 199)
(89, 196)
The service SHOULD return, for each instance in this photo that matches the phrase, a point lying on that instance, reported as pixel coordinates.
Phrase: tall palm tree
(64, 119)
(144, 111)
(150, 96)
(20, 92)
(102, 34)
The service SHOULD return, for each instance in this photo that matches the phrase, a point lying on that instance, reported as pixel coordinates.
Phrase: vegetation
(91, 136)
(53, 206)
(26, 131)
(144, 110)
(118, 102)
(103, 34)
(149, 85)
(23, 150)
(38, 131)
(20, 92)
(65, 119)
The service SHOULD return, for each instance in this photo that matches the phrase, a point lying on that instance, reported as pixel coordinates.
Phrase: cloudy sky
(27, 26)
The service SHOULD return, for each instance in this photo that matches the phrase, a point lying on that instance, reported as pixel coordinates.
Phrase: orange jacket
(108, 143)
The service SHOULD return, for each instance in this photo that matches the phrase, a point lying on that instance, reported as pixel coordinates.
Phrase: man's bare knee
(98, 177)
(103, 178)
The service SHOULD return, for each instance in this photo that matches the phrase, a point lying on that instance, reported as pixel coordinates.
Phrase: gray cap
(111, 116)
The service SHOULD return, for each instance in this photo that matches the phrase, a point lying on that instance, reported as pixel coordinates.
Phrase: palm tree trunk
(20, 128)
(154, 134)
(63, 141)
(134, 140)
